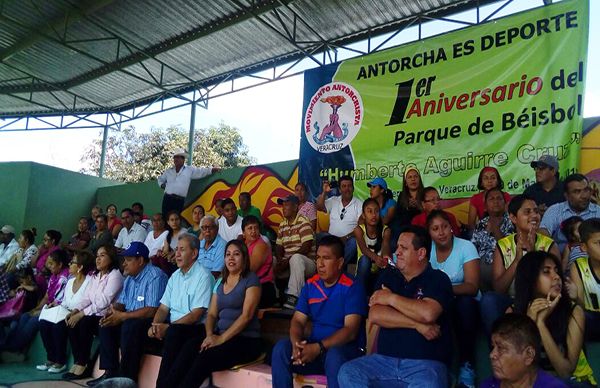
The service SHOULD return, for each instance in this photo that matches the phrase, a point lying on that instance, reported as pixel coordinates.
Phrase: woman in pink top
(49, 246)
(103, 290)
(20, 336)
(261, 259)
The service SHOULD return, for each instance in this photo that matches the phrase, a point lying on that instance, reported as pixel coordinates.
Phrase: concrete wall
(123, 195)
(45, 197)
(13, 193)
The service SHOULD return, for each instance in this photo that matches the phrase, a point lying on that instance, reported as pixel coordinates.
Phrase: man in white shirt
(8, 244)
(176, 181)
(230, 225)
(344, 211)
(131, 231)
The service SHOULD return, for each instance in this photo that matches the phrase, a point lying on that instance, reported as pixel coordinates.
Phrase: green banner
(497, 94)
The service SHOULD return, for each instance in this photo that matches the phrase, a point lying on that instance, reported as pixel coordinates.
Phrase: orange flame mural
(262, 183)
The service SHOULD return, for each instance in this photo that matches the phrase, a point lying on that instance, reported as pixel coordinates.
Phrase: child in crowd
(27, 283)
(489, 178)
(197, 215)
(585, 275)
(540, 293)
(572, 251)
(22, 298)
(378, 190)
(373, 242)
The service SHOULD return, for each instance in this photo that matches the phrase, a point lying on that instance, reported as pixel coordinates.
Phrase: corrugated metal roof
(99, 55)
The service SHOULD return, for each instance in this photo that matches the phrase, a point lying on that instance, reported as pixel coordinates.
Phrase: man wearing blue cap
(128, 319)
(547, 189)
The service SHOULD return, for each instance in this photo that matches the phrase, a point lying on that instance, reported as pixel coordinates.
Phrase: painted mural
(263, 183)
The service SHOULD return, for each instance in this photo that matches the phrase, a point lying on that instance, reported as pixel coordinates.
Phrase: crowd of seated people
(427, 282)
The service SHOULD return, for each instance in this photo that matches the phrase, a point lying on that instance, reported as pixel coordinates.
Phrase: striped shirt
(561, 211)
(144, 289)
(292, 235)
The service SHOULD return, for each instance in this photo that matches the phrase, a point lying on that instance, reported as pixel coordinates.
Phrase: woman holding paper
(23, 332)
(53, 327)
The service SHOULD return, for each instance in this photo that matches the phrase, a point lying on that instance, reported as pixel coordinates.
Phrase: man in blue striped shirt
(128, 319)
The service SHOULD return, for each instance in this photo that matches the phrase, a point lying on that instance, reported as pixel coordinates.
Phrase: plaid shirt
(3, 288)
(485, 242)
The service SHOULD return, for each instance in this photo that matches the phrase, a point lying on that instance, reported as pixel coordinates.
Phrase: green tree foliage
(138, 157)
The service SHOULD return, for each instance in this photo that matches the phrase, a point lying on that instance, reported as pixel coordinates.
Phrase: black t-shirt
(409, 343)
(548, 198)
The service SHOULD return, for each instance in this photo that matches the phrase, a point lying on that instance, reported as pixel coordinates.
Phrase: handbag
(13, 306)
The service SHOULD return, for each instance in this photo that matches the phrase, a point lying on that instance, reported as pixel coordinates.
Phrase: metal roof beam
(297, 56)
(53, 26)
(66, 85)
(108, 67)
(282, 34)
(33, 80)
(340, 42)
(130, 45)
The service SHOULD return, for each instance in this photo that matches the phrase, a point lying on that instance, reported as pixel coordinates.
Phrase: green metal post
(103, 154)
(191, 135)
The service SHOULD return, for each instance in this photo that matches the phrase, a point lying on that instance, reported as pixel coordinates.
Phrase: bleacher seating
(274, 326)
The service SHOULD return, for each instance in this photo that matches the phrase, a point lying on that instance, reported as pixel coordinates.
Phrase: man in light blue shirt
(211, 254)
(578, 194)
(184, 302)
(127, 321)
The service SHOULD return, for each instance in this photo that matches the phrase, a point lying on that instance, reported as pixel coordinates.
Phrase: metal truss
(277, 15)
(125, 54)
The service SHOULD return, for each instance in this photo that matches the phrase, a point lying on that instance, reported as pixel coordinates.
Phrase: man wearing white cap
(8, 244)
(176, 181)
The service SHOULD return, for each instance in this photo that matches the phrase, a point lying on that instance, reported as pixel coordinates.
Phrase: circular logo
(333, 117)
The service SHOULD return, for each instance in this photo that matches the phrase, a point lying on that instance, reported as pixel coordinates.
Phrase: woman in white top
(155, 240)
(175, 230)
(53, 329)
